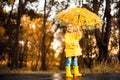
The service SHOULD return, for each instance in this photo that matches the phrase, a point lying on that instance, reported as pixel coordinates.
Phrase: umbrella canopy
(80, 17)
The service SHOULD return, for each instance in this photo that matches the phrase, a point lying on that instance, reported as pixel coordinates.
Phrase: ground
(58, 76)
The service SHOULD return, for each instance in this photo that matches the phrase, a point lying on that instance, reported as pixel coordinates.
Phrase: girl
(72, 50)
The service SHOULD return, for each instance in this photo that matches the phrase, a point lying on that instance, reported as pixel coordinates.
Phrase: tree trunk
(119, 29)
(13, 40)
(103, 38)
(23, 54)
(16, 47)
(43, 64)
(108, 29)
(37, 61)
(9, 32)
(43, 47)
(62, 61)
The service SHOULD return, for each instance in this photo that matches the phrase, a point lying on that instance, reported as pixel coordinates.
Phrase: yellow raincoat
(70, 39)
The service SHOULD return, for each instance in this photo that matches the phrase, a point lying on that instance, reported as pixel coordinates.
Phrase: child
(72, 50)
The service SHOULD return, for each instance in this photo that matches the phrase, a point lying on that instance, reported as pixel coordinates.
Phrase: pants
(72, 60)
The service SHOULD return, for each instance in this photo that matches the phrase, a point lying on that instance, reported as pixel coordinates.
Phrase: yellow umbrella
(79, 17)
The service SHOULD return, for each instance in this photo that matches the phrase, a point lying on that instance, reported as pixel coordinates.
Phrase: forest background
(31, 39)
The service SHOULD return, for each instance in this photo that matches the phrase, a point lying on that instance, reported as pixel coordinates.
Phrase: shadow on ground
(57, 76)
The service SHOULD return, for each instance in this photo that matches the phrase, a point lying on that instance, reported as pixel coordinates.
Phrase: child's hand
(79, 33)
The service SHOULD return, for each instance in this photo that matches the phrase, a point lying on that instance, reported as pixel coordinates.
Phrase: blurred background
(31, 39)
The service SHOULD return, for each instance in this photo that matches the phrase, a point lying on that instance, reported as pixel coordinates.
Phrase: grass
(113, 67)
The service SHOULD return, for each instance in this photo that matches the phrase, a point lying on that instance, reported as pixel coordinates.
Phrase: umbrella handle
(78, 19)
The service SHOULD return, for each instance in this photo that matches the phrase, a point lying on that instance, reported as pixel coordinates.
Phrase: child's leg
(74, 61)
(68, 67)
(75, 66)
(68, 61)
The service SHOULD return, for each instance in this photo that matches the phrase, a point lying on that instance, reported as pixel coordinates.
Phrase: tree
(13, 29)
(14, 48)
(47, 9)
(118, 21)
(16, 53)
(11, 23)
(103, 38)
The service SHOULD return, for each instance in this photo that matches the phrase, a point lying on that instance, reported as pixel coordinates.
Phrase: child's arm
(78, 34)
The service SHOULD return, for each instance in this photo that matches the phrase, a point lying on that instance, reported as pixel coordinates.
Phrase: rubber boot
(68, 71)
(76, 71)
